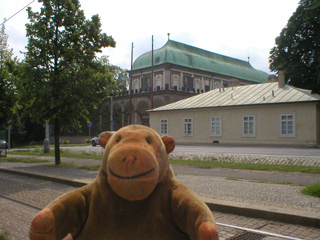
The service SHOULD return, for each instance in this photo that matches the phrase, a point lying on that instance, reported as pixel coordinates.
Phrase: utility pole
(152, 75)
(130, 86)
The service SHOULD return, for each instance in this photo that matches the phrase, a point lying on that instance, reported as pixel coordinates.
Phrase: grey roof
(266, 93)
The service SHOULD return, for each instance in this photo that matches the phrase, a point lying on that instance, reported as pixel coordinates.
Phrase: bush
(4, 235)
(65, 141)
(313, 190)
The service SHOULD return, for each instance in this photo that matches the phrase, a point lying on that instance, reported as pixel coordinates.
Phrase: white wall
(267, 124)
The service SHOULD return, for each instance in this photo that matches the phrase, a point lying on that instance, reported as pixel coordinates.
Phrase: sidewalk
(247, 193)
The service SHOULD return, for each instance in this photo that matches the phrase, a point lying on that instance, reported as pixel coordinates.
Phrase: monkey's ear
(169, 143)
(104, 138)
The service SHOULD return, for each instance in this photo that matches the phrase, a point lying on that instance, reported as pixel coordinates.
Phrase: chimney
(272, 78)
(281, 78)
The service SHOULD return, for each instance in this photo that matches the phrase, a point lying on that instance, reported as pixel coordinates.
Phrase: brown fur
(135, 196)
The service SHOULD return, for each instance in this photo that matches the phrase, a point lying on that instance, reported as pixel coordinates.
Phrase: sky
(238, 29)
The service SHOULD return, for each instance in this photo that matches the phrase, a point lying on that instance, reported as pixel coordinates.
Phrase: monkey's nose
(130, 159)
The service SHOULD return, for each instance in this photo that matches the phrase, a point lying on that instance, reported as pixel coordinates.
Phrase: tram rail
(243, 233)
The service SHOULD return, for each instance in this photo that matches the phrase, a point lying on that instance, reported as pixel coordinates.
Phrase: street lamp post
(111, 113)
(9, 135)
(46, 144)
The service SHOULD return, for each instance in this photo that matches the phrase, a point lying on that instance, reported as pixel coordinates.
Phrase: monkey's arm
(64, 215)
(192, 215)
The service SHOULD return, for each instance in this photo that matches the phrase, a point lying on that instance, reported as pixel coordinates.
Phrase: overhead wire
(6, 20)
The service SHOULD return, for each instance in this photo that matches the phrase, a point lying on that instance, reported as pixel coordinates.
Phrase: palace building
(177, 71)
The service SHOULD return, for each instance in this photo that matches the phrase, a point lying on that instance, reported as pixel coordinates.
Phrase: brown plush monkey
(135, 196)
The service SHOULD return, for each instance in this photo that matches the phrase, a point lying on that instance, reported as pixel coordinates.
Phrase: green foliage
(4, 235)
(65, 141)
(91, 168)
(23, 160)
(63, 165)
(313, 190)
(7, 77)
(247, 166)
(61, 77)
(297, 49)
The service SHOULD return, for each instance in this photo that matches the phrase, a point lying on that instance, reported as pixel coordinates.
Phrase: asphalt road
(235, 150)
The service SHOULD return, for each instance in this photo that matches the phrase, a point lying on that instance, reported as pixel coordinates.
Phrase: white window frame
(164, 126)
(188, 126)
(217, 129)
(287, 120)
(250, 130)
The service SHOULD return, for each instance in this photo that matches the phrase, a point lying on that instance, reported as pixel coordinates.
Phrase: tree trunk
(57, 141)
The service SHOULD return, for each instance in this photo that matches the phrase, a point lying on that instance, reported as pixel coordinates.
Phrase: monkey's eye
(148, 140)
(118, 139)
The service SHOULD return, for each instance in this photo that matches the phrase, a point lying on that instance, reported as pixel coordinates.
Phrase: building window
(188, 126)
(248, 126)
(187, 83)
(163, 126)
(216, 126)
(146, 83)
(287, 125)
(207, 86)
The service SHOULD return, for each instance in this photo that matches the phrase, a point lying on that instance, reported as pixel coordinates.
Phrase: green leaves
(297, 49)
(7, 76)
(62, 80)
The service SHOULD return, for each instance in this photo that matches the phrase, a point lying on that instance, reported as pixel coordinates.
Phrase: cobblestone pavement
(266, 194)
(222, 188)
(15, 218)
(237, 186)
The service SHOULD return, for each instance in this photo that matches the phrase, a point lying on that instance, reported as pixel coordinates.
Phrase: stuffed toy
(135, 196)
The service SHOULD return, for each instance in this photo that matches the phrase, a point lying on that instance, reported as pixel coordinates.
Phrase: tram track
(20, 203)
(15, 186)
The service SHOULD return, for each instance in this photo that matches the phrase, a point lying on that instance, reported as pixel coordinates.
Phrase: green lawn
(4, 235)
(313, 190)
(63, 153)
(198, 163)
(247, 166)
(24, 160)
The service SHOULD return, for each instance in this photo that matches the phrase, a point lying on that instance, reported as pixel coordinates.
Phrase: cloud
(231, 27)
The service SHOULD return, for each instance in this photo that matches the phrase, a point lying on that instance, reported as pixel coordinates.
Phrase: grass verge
(4, 235)
(247, 166)
(313, 190)
(23, 160)
(93, 168)
(198, 163)
(63, 153)
(61, 165)
(52, 145)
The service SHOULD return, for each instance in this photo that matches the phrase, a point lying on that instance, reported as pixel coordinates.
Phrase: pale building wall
(267, 124)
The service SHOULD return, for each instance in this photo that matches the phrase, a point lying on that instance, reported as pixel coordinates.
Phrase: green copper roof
(188, 56)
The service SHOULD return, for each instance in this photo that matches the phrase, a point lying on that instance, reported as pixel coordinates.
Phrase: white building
(267, 113)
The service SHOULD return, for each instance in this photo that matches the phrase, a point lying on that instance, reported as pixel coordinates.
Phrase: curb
(290, 216)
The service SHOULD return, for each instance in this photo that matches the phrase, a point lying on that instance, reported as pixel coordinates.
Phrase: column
(181, 81)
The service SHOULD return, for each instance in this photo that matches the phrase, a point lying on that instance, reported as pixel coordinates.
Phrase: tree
(7, 88)
(62, 79)
(297, 49)
(120, 75)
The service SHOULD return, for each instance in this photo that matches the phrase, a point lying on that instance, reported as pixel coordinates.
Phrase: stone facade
(167, 82)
